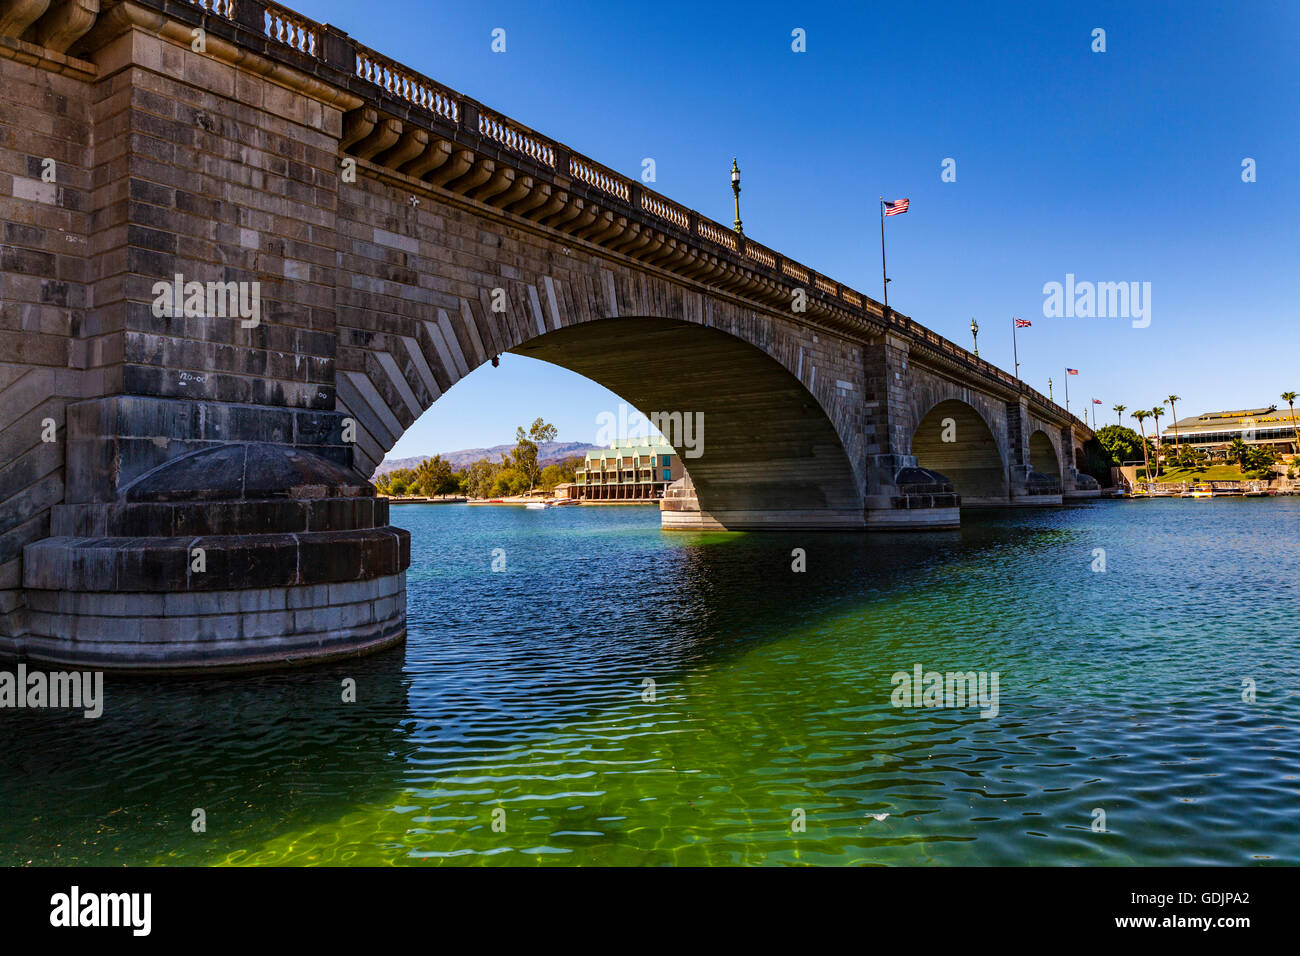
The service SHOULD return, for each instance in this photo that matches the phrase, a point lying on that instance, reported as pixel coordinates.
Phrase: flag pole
(884, 277)
(1015, 354)
(1067, 391)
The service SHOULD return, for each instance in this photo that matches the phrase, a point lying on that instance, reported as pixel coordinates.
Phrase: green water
(516, 725)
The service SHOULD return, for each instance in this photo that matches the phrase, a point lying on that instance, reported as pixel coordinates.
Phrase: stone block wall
(49, 349)
(219, 176)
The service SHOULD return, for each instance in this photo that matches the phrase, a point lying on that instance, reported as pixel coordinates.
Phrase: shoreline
(515, 501)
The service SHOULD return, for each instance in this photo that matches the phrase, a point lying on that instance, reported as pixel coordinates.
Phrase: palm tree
(1119, 411)
(1239, 452)
(1156, 413)
(1289, 398)
(1173, 412)
(1141, 415)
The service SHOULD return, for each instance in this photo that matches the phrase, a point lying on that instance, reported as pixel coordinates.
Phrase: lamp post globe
(735, 188)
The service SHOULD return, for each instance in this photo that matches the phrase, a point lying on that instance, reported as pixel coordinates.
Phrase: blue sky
(1117, 166)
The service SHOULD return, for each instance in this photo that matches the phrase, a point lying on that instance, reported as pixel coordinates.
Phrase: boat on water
(537, 505)
(1199, 491)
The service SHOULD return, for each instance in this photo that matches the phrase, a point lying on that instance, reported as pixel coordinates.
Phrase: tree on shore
(396, 483)
(524, 458)
(1156, 413)
(1259, 463)
(509, 481)
(1141, 416)
(516, 473)
(560, 471)
(1289, 398)
(479, 478)
(1190, 458)
(1119, 413)
(433, 476)
(1120, 444)
(1173, 413)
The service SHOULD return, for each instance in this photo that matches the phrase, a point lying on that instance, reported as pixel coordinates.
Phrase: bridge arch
(1043, 455)
(955, 439)
(762, 450)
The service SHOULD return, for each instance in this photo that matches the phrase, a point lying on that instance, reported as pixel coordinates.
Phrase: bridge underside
(954, 440)
(761, 454)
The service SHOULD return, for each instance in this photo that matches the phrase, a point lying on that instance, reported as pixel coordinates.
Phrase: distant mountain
(547, 453)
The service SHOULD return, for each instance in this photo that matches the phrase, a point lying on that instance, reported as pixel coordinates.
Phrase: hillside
(547, 453)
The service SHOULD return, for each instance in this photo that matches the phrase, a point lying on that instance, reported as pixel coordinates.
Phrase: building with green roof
(634, 469)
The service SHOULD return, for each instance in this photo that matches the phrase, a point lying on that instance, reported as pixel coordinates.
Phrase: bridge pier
(214, 536)
(904, 497)
(1033, 489)
(1078, 484)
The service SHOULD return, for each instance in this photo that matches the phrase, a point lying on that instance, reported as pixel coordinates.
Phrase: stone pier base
(222, 630)
(234, 555)
(904, 497)
(914, 519)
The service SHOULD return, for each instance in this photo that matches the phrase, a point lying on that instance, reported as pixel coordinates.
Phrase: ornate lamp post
(975, 335)
(1049, 390)
(735, 188)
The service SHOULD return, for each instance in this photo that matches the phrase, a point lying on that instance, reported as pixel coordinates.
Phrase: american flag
(1023, 323)
(895, 207)
(1096, 401)
(1071, 371)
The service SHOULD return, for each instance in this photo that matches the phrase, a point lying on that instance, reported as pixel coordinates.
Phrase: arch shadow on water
(254, 752)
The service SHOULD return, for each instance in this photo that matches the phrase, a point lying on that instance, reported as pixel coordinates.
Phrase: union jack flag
(896, 207)
(1096, 401)
(1023, 323)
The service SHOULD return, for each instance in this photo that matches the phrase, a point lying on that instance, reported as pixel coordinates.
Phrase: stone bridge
(242, 253)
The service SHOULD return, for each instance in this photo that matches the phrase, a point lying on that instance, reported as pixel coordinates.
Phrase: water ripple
(518, 725)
